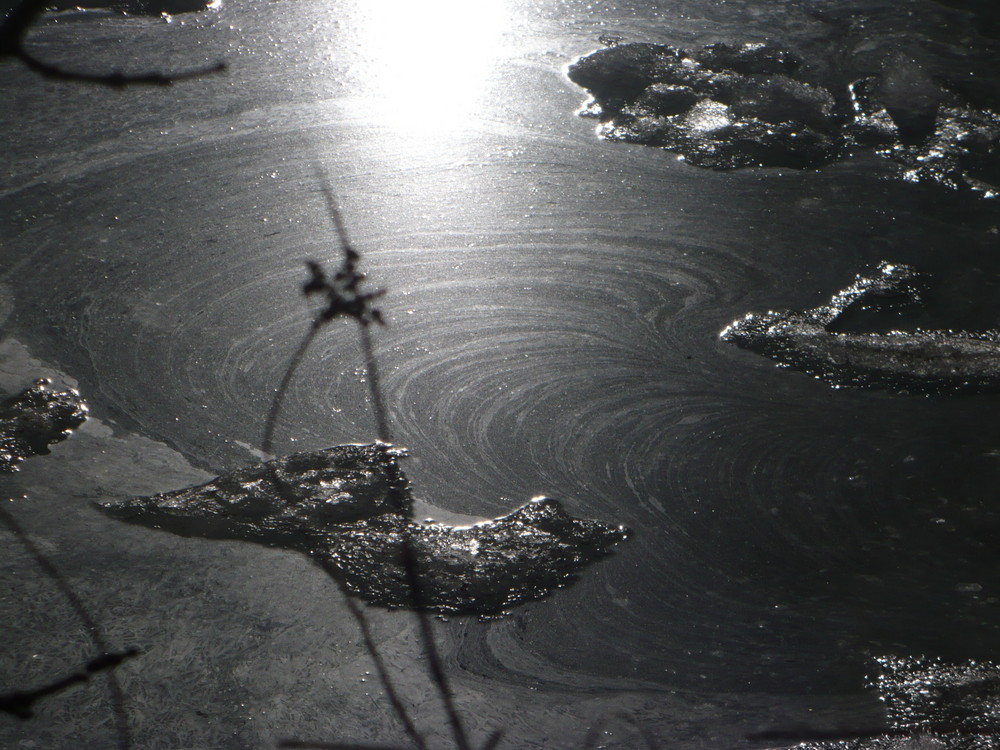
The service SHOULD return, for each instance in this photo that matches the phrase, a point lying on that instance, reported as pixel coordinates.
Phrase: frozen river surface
(553, 308)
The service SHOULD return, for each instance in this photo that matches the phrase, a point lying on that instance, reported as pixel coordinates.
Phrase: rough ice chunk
(732, 106)
(348, 507)
(721, 106)
(904, 361)
(36, 418)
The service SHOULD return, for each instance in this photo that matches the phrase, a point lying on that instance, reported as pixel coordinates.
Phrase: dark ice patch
(903, 361)
(484, 569)
(721, 107)
(347, 507)
(726, 107)
(285, 502)
(36, 418)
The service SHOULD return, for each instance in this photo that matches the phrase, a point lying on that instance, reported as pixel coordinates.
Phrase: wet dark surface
(918, 361)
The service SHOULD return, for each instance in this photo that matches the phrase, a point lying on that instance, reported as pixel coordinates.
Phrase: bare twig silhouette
(15, 28)
(365, 315)
(383, 674)
(344, 298)
(279, 395)
(375, 386)
(106, 660)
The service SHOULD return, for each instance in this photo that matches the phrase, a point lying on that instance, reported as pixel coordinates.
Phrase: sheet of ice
(726, 107)
(904, 361)
(346, 506)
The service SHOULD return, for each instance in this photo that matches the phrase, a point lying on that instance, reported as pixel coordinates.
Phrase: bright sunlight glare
(431, 60)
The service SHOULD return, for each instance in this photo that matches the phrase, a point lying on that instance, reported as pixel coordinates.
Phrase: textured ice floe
(931, 133)
(348, 507)
(931, 705)
(726, 107)
(36, 418)
(721, 107)
(905, 361)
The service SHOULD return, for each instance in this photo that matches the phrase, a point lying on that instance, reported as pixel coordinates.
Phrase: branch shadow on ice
(135, 7)
(30, 422)
(21, 703)
(727, 107)
(334, 505)
(23, 15)
(930, 705)
(918, 362)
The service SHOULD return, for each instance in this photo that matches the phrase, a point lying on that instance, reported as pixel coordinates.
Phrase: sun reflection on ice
(430, 61)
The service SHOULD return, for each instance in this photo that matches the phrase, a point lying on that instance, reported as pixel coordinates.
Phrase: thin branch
(343, 298)
(365, 315)
(22, 17)
(115, 79)
(383, 673)
(434, 662)
(115, 691)
(279, 395)
(374, 386)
